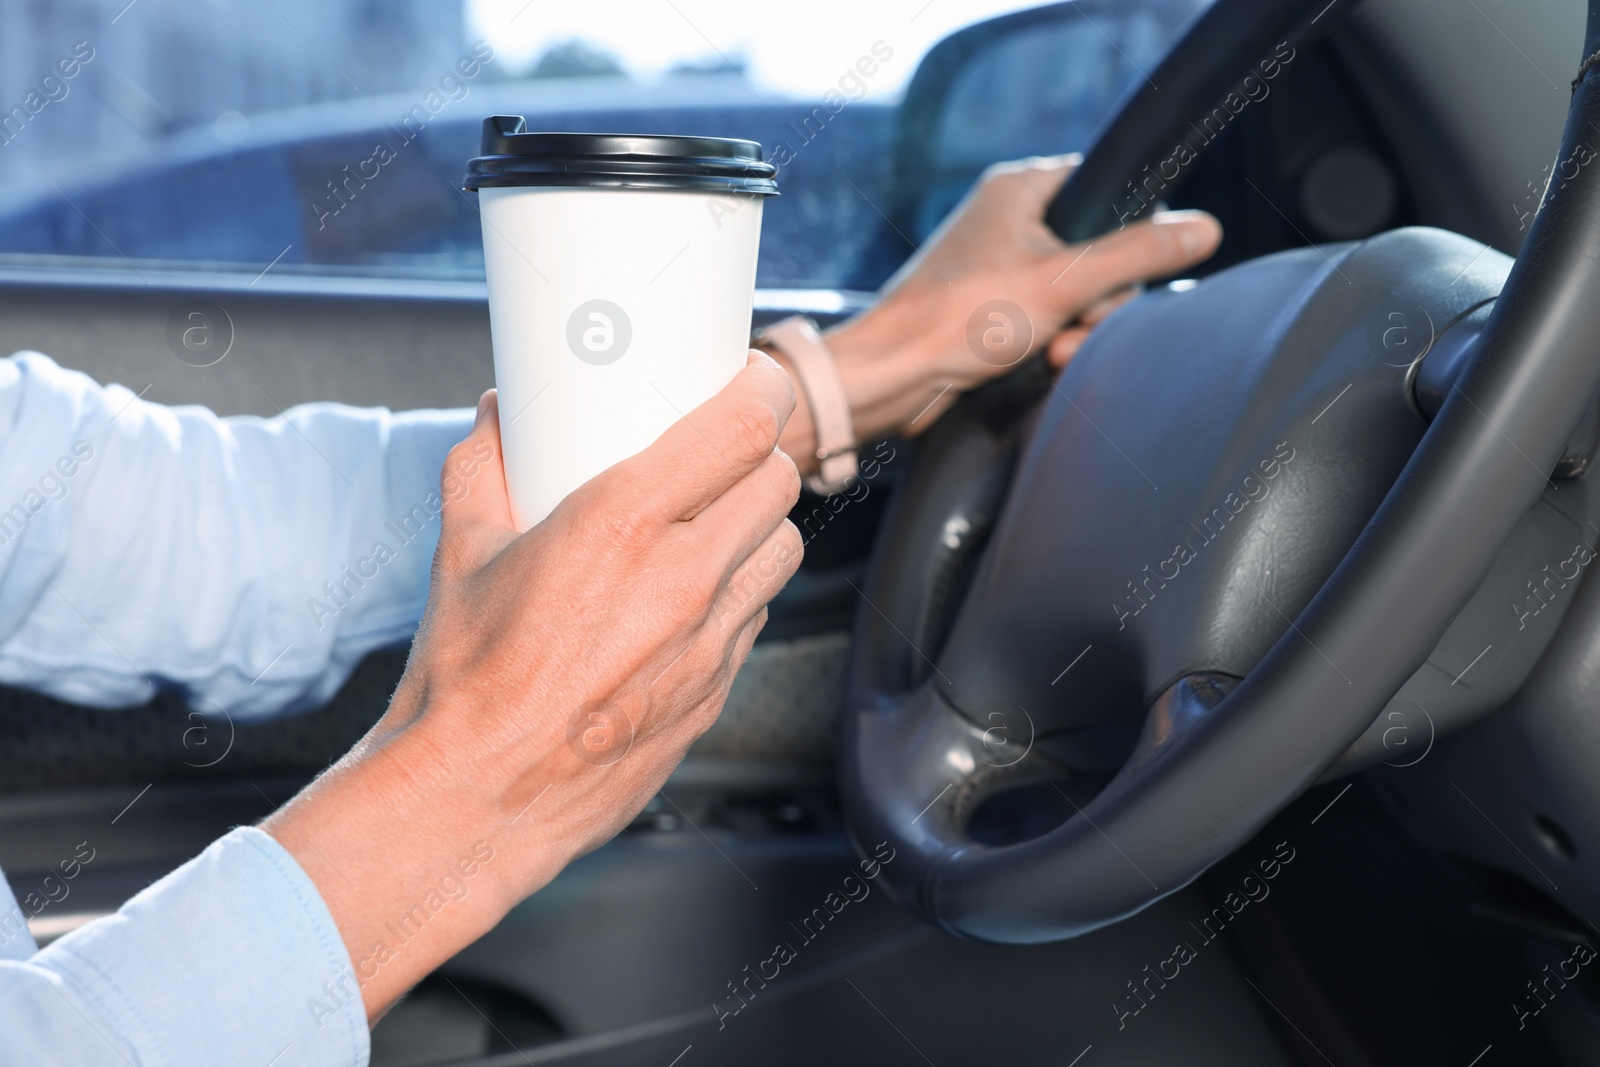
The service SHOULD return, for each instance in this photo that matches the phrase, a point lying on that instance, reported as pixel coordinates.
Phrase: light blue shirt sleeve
(232, 958)
(249, 562)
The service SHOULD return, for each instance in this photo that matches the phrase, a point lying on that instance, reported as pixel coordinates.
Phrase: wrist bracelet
(797, 339)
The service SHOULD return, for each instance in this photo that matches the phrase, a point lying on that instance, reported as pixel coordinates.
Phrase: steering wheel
(1177, 587)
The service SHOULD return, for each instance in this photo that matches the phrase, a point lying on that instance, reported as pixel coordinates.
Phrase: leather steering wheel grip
(1213, 55)
(1213, 766)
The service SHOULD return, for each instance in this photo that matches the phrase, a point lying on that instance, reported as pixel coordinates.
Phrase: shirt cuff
(232, 958)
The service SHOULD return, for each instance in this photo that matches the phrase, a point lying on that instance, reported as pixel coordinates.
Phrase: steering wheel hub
(1198, 472)
(1191, 482)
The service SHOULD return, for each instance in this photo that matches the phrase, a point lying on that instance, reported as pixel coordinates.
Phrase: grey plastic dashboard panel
(287, 340)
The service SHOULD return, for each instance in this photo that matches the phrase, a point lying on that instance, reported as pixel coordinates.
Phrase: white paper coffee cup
(621, 275)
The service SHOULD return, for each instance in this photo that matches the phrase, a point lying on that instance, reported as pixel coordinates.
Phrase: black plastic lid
(513, 158)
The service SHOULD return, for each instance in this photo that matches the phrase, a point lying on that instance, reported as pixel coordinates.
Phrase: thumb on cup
(473, 483)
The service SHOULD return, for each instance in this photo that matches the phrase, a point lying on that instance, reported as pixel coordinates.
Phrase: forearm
(427, 834)
(266, 555)
(466, 798)
(406, 849)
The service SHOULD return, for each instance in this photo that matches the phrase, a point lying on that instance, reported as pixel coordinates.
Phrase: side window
(1043, 90)
(329, 136)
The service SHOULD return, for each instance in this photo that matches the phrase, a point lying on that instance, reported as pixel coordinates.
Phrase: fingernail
(1193, 229)
(483, 406)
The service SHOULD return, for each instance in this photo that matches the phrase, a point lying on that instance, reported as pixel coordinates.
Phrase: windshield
(330, 137)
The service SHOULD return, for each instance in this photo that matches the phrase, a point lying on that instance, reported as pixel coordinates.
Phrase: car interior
(1229, 700)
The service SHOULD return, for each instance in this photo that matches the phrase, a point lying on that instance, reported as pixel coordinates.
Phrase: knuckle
(767, 378)
(453, 558)
(791, 547)
(623, 524)
(786, 481)
(778, 559)
(458, 453)
(752, 630)
(688, 595)
(700, 721)
(756, 429)
(788, 397)
(450, 480)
